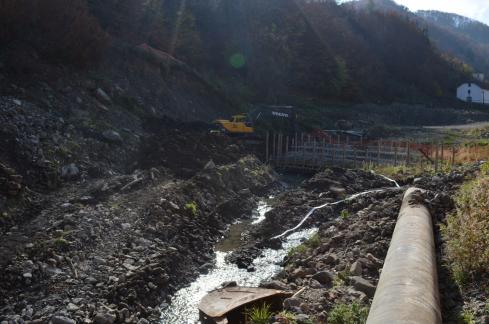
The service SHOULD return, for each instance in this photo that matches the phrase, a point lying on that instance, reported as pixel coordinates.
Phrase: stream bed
(183, 307)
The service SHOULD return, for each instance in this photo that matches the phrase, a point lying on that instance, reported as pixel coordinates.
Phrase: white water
(261, 210)
(184, 303)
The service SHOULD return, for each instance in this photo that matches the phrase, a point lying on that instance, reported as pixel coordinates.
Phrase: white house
(471, 92)
(479, 76)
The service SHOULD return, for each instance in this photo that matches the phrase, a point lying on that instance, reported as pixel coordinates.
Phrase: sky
(476, 9)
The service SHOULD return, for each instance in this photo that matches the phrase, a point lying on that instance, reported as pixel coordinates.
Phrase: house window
(469, 91)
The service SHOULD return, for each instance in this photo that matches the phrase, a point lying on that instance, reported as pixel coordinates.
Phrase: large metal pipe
(407, 291)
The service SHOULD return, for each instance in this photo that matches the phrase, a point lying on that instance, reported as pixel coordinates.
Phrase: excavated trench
(184, 303)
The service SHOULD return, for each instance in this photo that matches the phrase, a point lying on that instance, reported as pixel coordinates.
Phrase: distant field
(461, 126)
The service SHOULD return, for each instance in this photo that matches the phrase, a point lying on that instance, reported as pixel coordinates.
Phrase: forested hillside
(457, 37)
(461, 37)
(267, 51)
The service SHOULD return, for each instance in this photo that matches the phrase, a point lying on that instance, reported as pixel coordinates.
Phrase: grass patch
(286, 317)
(338, 281)
(311, 243)
(344, 275)
(466, 317)
(348, 314)
(403, 171)
(61, 244)
(484, 168)
(314, 241)
(344, 214)
(259, 314)
(467, 231)
(192, 208)
(131, 105)
(397, 170)
(300, 249)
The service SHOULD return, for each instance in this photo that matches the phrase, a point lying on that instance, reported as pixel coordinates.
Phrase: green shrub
(344, 275)
(300, 249)
(61, 243)
(485, 168)
(259, 314)
(312, 242)
(286, 317)
(467, 231)
(348, 314)
(344, 214)
(466, 317)
(191, 207)
(338, 281)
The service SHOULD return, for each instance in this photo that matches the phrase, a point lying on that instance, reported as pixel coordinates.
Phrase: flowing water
(236, 231)
(183, 306)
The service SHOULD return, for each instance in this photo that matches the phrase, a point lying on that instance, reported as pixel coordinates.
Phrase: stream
(183, 307)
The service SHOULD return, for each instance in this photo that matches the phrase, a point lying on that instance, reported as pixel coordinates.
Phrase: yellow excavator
(244, 124)
(237, 125)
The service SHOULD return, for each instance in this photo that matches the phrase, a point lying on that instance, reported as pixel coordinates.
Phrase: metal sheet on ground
(221, 301)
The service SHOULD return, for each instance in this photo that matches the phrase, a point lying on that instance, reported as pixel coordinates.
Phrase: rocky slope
(341, 264)
(112, 250)
(290, 207)
(98, 192)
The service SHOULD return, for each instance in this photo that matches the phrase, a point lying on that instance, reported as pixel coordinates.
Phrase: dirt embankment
(102, 215)
(112, 250)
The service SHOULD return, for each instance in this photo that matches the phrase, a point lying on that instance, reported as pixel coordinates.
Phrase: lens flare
(237, 60)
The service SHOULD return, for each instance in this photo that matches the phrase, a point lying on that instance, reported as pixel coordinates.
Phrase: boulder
(300, 272)
(363, 285)
(275, 284)
(62, 320)
(315, 284)
(291, 302)
(70, 171)
(323, 277)
(356, 268)
(104, 318)
(329, 258)
(302, 319)
(229, 284)
(210, 165)
(103, 96)
(112, 136)
(143, 321)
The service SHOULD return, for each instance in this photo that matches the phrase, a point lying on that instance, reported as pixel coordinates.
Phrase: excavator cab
(236, 125)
